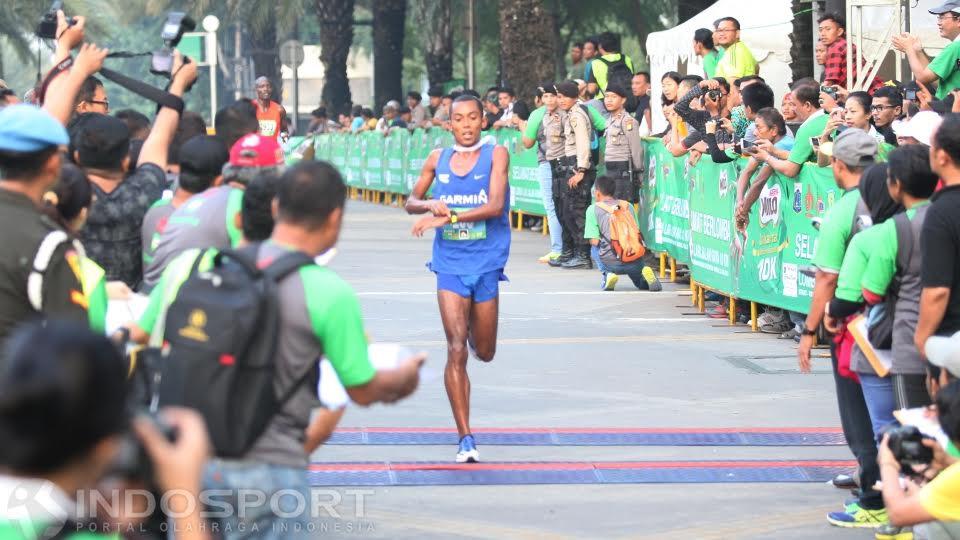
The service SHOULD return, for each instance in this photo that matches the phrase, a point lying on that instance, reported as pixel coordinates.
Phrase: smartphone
(829, 90)
(910, 94)
(747, 144)
(815, 143)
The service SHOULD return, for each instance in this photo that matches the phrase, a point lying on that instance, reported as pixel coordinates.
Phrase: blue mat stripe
(561, 438)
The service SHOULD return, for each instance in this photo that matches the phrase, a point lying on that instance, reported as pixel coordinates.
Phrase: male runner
(270, 114)
(470, 250)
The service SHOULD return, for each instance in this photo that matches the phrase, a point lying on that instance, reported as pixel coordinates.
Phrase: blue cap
(25, 128)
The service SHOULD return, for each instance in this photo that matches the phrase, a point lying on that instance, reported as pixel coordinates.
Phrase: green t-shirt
(856, 262)
(534, 121)
(598, 69)
(597, 119)
(812, 127)
(945, 67)
(591, 229)
(737, 62)
(835, 232)
(710, 61)
(883, 254)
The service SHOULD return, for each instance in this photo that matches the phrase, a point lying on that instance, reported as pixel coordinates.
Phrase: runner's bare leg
(484, 318)
(455, 312)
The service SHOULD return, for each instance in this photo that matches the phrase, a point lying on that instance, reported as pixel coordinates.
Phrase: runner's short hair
(309, 192)
(467, 97)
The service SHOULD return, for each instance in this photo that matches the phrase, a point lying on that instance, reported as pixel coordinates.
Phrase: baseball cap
(944, 352)
(568, 89)
(202, 156)
(251, 154)
(947, 7)
(921, 127)
(25, 128)
(618, 89)
(854, 147)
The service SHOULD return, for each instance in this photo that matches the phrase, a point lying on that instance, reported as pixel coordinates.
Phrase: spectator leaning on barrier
(30, 158)
(772, 139)
(703, 47)
(887, 106)
(940, 239)
(418, 114)
(944, 68)
(737, 60)
(807, 105)
(833, 36)
(598, 230)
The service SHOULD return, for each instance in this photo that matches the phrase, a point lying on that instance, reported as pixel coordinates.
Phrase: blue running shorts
(480, 287)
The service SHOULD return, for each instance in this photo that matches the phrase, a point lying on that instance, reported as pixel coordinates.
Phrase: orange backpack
(624, 233)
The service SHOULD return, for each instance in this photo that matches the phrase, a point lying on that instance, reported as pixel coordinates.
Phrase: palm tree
(437, 43)
(336, 37)
(523, 24)
(389, 24)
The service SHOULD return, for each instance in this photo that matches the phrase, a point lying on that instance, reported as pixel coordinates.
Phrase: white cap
(944, 352)
(920, 127)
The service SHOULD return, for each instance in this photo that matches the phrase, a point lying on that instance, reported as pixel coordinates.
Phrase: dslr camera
(906, 443)
(47, 27)
(162, 61)
(714, 95)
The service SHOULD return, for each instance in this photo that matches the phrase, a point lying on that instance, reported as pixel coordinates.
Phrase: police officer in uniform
(576, 175)
(39, 264)
(553, 147)
(623, 155)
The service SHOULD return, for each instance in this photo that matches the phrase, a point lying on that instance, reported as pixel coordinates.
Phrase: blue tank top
(469, 248)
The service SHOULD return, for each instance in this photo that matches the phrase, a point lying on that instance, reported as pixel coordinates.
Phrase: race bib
(268, 128)
(465, 230)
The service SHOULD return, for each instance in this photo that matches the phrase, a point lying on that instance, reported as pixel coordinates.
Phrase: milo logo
(770, 205)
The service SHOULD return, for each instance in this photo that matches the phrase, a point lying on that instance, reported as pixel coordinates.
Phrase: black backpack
(220, 345)
(618, 71)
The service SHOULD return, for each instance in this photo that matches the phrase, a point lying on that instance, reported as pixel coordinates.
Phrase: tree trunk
(436, 16)
(266, 54)
(801, 43)
(389, 22)
(687, 9)
(336, 37)
(522, 37)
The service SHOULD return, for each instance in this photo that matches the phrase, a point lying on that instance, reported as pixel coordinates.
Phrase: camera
(47, 27)
(177, 23)
(829, 90)
(714, 95)
(906, 444)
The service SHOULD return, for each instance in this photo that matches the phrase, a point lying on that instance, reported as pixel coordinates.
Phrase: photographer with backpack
(617, 247)
(611, 66)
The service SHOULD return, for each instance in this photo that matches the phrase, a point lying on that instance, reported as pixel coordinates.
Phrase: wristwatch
(807, 332)
(581, 169)
(454, 217)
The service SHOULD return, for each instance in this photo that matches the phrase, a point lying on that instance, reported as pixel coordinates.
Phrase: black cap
(435, 91)
(569, 89)
(618, 89)
(203, 157)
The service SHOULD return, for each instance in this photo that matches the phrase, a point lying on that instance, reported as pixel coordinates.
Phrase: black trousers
(575, 202)
(559, 172)
(627, 187)
(858, 430)
(910, 390)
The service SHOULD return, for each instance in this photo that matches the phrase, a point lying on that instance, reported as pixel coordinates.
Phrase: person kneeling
(617, 247)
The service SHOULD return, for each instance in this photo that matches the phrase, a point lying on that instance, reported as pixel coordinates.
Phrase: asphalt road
(571, 355)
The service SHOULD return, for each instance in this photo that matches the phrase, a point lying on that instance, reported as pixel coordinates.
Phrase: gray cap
(947, 7)
(854, 147)
(944, 352)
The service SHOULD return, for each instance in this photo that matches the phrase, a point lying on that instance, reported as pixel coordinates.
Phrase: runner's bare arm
(752, 194)
(498, 190)
(283, 120)
(416, 203)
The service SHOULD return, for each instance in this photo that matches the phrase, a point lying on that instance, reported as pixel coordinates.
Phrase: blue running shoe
(468, 452)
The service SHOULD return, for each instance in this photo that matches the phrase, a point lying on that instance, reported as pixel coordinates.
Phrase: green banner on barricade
(395, 163)
(417, 152)
(524, 178)
(373, 164)
(353, 171)
(779, 241)
(713, 193)
(671, 209)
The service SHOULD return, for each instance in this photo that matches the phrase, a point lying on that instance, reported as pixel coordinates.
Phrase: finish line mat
(802, 436)
(608, 472)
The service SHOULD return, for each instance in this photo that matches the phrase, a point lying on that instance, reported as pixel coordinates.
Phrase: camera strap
(52, 74)
(156, 95)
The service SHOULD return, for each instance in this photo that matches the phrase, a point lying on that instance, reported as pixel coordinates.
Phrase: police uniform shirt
(554, 140)
(22, 229)
(623, 140)
(577, 136)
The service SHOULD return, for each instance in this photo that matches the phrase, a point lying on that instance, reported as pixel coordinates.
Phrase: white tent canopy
(765, 28)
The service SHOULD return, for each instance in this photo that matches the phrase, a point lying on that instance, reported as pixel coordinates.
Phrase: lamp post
(211, 24)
